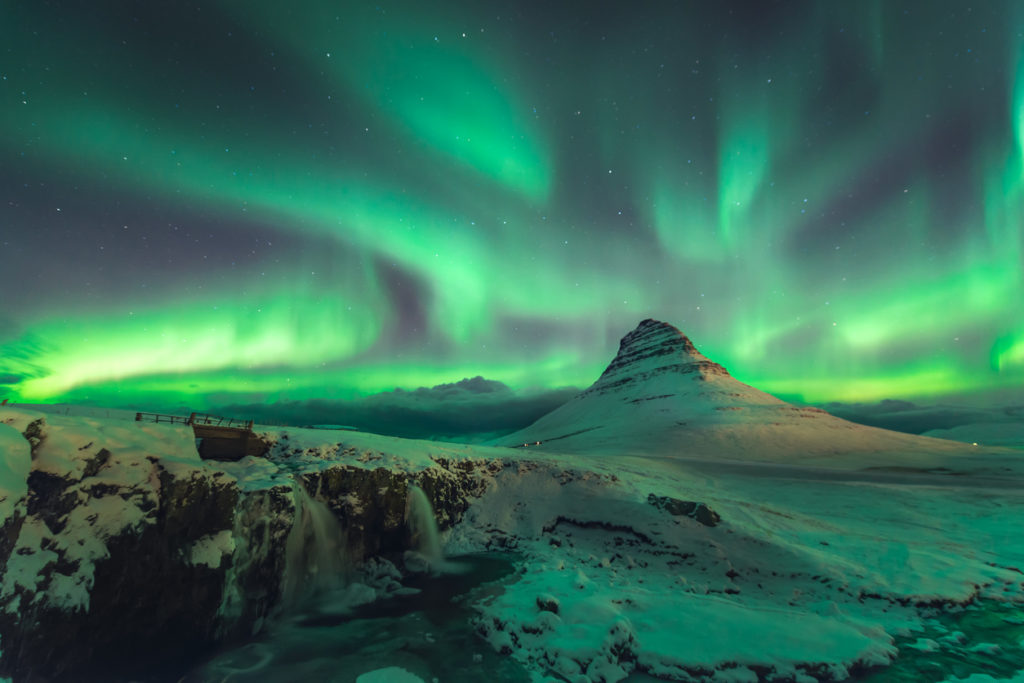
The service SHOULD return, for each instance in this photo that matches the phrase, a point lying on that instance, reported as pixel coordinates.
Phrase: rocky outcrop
(119, 560)
(371, 504)
(685, 508)
(653, 348)
(100, 564)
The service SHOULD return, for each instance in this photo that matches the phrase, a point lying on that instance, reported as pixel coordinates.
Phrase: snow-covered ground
(807, 571)
(811, 571)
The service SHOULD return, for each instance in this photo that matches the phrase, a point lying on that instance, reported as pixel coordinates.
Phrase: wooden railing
(156, 417)
(216, 421)
(196, 419)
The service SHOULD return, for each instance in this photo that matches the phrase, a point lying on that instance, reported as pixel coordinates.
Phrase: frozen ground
(811, 571)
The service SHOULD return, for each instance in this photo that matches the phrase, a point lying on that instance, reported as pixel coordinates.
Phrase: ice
(391, 674)
(985, 678)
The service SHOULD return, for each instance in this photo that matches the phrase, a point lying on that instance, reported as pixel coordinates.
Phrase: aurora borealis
(234, 202)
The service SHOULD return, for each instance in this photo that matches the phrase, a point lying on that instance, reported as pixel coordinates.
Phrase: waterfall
(314, 552)
(419, 516)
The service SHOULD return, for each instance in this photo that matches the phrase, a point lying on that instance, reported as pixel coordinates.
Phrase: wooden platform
(220, 438)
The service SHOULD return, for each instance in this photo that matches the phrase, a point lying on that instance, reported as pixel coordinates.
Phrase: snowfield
(809, 574)
(802, 577)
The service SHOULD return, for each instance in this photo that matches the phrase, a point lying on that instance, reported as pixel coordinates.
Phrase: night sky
(251, 202)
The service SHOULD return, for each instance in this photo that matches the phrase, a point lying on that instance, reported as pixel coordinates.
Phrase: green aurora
(264, 201)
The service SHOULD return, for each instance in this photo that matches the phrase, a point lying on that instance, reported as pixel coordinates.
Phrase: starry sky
(260, 202)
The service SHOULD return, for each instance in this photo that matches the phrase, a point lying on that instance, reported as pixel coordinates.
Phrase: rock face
(651, 349)
(99, 559)
(119, 559)
(678, 508)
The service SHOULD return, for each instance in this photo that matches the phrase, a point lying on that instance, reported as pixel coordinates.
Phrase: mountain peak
(658, 332)
(654, 347)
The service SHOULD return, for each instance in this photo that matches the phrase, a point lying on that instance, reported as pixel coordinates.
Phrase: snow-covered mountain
(661, 395)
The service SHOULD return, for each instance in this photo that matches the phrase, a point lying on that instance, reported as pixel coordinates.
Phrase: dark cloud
(464, 389)
(471, 410)
(10, 379)
(904, 416)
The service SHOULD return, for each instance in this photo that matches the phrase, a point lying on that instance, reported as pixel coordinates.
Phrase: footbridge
(220, 438)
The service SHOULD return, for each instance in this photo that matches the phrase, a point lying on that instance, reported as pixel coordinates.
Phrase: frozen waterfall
(419, 516)
(315, 550)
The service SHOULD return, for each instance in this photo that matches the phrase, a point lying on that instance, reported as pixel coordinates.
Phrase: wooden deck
(221, 438)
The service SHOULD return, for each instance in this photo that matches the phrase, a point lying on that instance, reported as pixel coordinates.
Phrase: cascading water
(419, 516)
(315, 551)
(330, 622)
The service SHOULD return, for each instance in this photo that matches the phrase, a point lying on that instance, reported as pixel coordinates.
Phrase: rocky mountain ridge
(651, 348)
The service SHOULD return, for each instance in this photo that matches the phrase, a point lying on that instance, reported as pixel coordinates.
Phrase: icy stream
(429, 634)
(986, 638)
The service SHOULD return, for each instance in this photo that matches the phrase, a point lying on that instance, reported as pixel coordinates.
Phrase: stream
(428, 634)
(982, 638)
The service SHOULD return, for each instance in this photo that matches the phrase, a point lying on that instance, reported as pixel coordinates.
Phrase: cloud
(473, 409)
(472, 389)
(904, 416)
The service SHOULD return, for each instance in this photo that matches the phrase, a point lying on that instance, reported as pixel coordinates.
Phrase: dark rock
(685, 508)
(195, 506)
(34, 433)
(653, 339)
(548, 603)
(147, 601)
(370, 504)
(595, 524)
(50, 499)
(95, 463)
(263, 521)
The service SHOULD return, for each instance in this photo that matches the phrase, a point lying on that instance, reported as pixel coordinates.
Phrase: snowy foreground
(668, 522)
(808, 573)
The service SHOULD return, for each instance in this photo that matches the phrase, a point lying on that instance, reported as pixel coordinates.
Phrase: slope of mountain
(661, 395)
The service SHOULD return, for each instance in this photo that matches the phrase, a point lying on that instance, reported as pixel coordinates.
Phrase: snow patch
(15, 462)
(211, 549)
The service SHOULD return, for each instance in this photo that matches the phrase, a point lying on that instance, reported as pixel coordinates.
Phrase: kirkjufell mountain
(661, 395)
